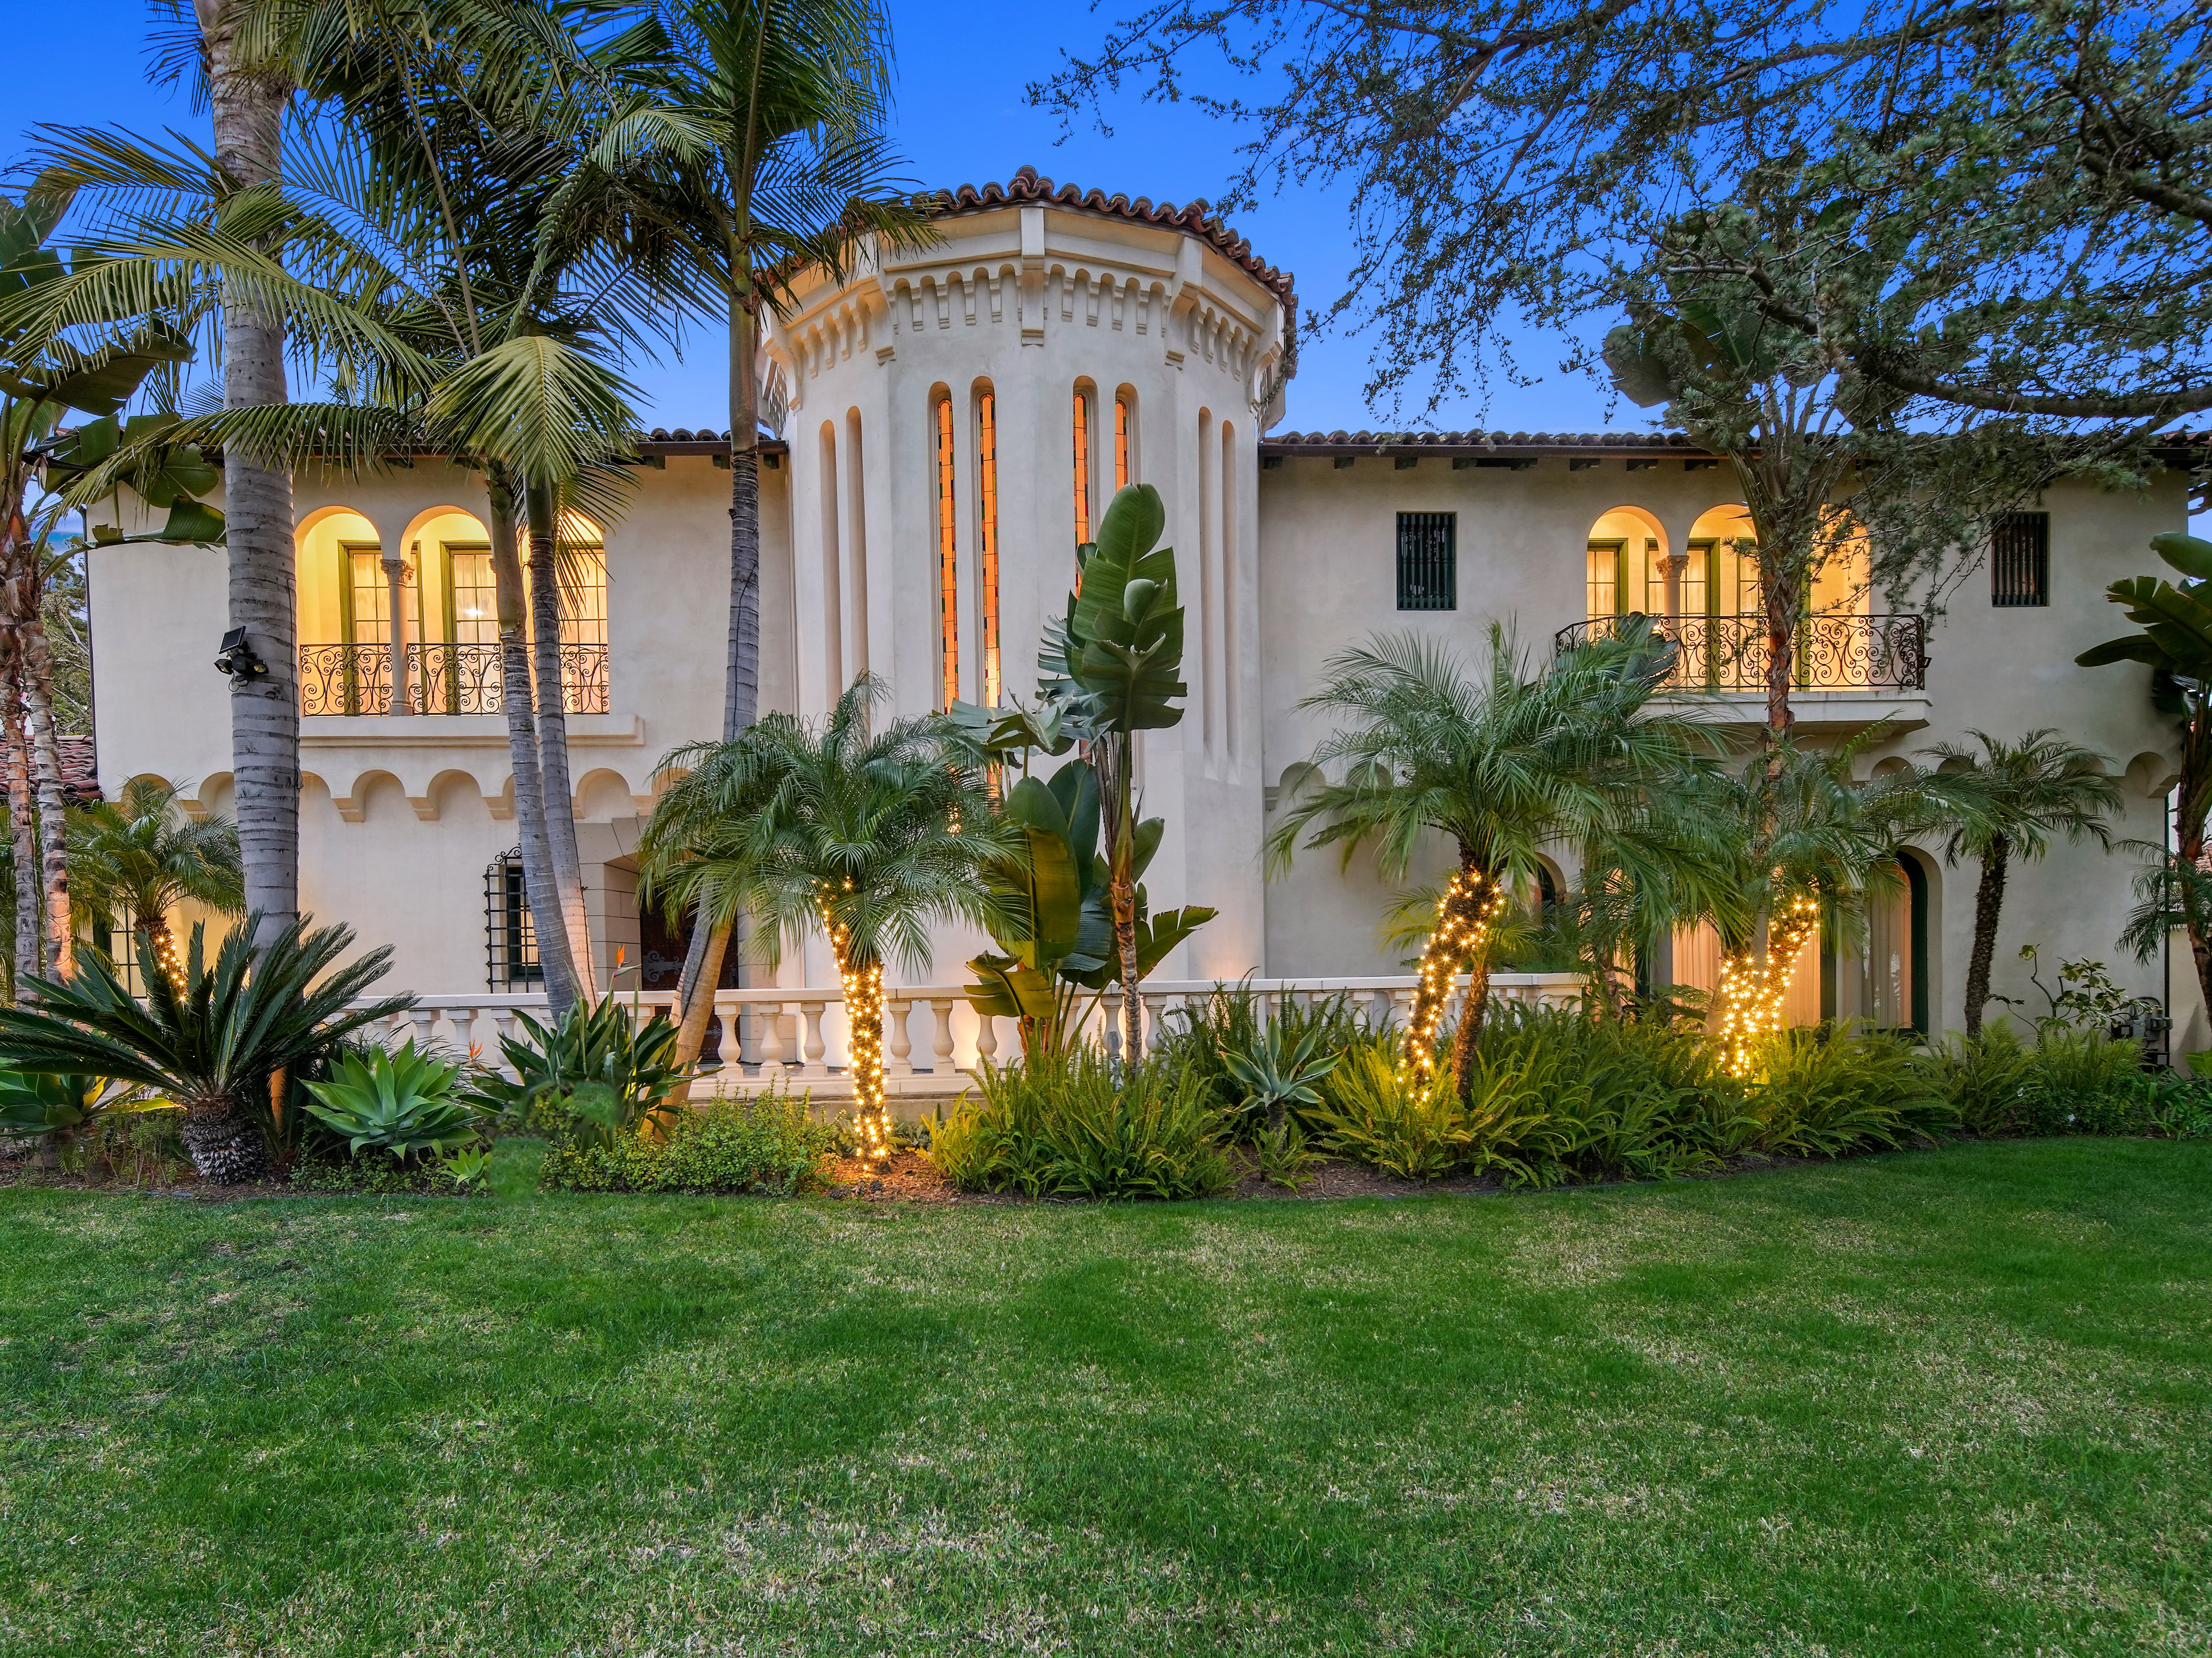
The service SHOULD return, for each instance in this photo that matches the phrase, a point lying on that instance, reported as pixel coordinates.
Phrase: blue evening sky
(960, 118)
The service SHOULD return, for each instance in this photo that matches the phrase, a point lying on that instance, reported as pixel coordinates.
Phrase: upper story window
(948, 571)
(987, 537)
(1428, 561)
(2019, 560)
(1082, 466)
(1121, 413)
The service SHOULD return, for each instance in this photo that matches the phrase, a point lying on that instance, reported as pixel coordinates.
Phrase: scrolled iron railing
(1730, 652)
(442, 678)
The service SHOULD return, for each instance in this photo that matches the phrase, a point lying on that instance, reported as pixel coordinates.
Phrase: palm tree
(2005, 803)
(1501, 761)
(771, 115)
(1808, 848)
(865, 837)
(136, 859)
(212, 1038)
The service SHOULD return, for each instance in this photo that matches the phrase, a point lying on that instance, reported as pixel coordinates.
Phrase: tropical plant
(1502, 760)
(1053, 889)
(1109, 670)
(398, 1100)
(2006, 802)
(770, 115)
(466, 1166)
(1821, 1094)
(762, 1144)
(596, 1065)
(2175, 642)
(137, 858)
(1807, 849)
(865, 837)
(212, 1038)
(1285, 1158)
(1281, 1070)
(62, 1107)
(1073, 1123)
(1406, 1122)
(96, 368)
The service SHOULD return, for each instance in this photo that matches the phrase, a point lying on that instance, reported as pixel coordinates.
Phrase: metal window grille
(1428, 561)
(2019, 560)
(510, 935)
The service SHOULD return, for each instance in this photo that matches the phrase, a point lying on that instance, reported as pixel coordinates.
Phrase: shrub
(2182, 1110)
(2071, 1082)
(596, 1073)
(1075, 1125)
(762, 1144)
(1236, 1020)
(1819, 1094)
(396, 1101)
(1379, 1115)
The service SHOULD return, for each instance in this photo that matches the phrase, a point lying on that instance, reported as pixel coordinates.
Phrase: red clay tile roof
(80, 768)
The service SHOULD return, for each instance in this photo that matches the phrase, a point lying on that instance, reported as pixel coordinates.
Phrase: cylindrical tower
(959, 420)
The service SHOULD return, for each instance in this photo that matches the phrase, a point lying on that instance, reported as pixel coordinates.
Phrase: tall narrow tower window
(1082, 468)
(987, 538)
(1120, 443)
(948, 572)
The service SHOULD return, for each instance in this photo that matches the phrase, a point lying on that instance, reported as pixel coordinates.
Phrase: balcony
(1848, 655)
(442, 678)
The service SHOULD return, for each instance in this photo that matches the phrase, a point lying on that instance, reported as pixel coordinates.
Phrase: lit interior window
(1120, 443)
(986, 490)
(1082, 469)
(948, 577)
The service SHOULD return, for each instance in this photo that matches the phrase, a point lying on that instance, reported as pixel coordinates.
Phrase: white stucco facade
(964, 364)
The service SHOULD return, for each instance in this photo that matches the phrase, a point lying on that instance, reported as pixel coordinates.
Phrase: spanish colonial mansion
(949, 426)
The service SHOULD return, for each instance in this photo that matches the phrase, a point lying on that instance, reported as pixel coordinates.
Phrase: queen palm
(136, 858)
(770, 115)
(1500, 761)
(2004, 804)
(865, 837)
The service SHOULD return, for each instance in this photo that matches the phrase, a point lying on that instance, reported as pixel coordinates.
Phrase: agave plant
(399, 1100)
(211, 1038)
(599, 1070)
(1280, 1070)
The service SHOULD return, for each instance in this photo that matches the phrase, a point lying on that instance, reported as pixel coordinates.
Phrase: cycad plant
(137, 858)
(1500, 760)
(2005, 802)
(212, 1038)
(866, 837)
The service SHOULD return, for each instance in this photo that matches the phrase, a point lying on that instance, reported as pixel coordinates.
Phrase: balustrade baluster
(812, 1047)
(940, 1039)
(898, 1040)
(770, 1015)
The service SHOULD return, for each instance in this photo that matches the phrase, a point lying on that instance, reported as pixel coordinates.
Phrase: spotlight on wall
(236, 657)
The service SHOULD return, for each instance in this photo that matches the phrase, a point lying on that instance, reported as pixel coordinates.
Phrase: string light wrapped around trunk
(1465, 915)
(863, 982)
(1754, 995)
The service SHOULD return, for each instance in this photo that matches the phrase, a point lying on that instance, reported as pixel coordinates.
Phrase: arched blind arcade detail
(948, 572)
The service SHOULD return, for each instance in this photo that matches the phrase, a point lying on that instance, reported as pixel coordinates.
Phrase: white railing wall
(934, 1042)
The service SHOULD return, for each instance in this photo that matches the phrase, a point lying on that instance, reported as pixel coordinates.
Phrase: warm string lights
(863, 983)
(1464, 916)
(1754, 993)
(165, 959)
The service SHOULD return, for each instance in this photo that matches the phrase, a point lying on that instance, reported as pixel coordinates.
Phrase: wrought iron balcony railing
(442, 678)
(1730, 652)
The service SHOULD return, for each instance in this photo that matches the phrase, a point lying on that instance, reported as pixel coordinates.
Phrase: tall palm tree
(137, 857)
(771, 115)
(2005, 802)
(865, 837)
(1500, 761)
(247, 93)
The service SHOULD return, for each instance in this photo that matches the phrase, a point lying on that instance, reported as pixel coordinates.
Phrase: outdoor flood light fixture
(236, 657)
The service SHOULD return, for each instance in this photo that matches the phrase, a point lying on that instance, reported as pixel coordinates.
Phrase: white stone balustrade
(774, 1035)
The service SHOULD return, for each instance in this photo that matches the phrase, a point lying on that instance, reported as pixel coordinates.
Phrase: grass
(1946, 1402)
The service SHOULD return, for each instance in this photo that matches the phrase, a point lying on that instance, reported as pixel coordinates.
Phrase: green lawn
(1958, 1402)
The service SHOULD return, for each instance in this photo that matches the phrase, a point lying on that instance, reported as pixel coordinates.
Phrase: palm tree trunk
(248, 102)
(522, 755)
(161, 956)
(863, 979)
(27, 644)
(702, 966)
(1115, 761)
(1462, 935)
(225, 1144)
(53, 803)
(21, 816)
(703, 962)
(544, 509)
(1778, 595)
(1989, 901)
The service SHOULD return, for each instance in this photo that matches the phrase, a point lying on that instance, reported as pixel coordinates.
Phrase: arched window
(987, 537)
(1723, 565)
(948, 570)
(1124, 414)
(1081, 460)
(833, 662)
(1625, 569)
